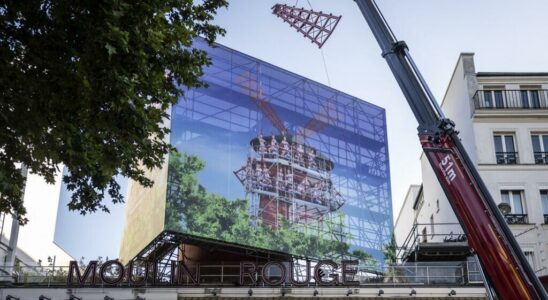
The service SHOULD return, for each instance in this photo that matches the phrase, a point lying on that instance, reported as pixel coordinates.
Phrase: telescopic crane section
(488, 234)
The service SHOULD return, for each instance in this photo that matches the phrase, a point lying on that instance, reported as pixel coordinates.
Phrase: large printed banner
(272, 160)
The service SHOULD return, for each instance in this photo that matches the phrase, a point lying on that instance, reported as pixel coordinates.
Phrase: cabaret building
(280, 186)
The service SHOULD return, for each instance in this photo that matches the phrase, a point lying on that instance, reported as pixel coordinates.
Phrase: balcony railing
(517, 219)
(511, 99)
(541, 158)
(507, 158)
(443, 233)
(546, 219)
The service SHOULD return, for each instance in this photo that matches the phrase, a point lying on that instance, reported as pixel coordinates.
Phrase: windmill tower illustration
(286, 178)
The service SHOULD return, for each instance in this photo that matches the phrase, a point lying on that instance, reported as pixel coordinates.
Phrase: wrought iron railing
(441, 233)
(517, 219)
(431, 273)
(507, 158)
(511, 99)
(541, 158)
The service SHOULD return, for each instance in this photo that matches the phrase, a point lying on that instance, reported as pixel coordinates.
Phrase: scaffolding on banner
(288, 181)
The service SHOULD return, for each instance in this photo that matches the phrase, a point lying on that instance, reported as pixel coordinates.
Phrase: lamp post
(504, 208)
(14, 234)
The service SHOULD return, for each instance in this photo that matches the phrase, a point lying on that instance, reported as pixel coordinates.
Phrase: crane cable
(321, 50)
(325, 68)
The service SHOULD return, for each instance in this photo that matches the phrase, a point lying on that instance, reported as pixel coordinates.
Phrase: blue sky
(506, 35)
(92, 235)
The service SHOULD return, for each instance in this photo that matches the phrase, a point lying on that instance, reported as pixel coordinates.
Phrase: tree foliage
(390, 250)
(87, 84)
(191, 209)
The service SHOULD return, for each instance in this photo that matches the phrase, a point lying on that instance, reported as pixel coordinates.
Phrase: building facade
(266, 156)
(503, 124)
(34, 241)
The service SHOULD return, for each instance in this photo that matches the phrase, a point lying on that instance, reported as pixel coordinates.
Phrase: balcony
(507, 158)
(517, 219)
(541, 158)
(511, 99)
(440, 241)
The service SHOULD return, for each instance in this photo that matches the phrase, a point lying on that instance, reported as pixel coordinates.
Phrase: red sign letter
(266, 277)
(251, 272)
(318, 276)
(90, 270)
(117, 278)
(346, 272)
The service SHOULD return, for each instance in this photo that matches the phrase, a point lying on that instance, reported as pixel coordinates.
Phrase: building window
(544, 201)
(473, 270)
(424, 235)
(420, 204)
(517, 213)
(432, 225)
(493, 99)
(505, 149)
(530, 256)
(540, 147)
(530, 97)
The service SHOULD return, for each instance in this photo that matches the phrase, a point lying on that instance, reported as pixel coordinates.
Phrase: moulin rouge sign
(249, 274)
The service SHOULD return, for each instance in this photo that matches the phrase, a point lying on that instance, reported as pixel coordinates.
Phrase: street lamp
(504, 208)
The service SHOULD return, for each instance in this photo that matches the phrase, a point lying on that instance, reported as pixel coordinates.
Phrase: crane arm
(488, 234)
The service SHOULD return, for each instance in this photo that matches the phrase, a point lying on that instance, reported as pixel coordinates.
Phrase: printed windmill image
(286, 178)
(316, 26)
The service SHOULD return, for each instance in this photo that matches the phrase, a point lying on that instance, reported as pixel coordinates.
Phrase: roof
(504, 74)
(417, 198)
(419, 186)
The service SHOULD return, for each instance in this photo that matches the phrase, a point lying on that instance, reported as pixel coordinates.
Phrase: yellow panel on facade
(145, 213)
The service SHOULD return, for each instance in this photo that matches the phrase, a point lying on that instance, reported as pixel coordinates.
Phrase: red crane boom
(503, 261)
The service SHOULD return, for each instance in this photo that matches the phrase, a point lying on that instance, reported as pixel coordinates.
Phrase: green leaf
(82, 83)
(110, 49)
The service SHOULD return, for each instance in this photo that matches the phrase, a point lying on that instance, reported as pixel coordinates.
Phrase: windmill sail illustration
(288, 179)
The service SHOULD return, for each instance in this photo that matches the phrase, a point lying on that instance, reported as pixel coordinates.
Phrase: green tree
(191, 209)
(366, 260)
(87, 84)
(390, 250)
